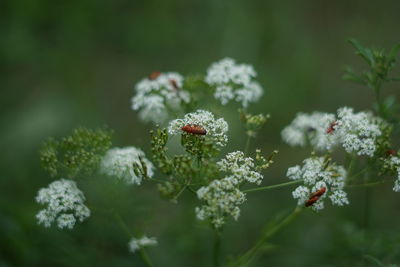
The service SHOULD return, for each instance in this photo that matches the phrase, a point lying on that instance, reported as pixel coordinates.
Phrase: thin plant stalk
(247, 146)
(124, 226)
(269, 232)
(268, 187)
(217, 248)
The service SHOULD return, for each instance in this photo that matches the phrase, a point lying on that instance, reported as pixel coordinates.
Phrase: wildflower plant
(220, 180)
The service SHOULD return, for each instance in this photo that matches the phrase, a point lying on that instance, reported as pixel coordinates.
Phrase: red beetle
(318, 193)
(331, 127)
(311, 201)
(154, 75)
(314, 197)
(391, 152)
(194, 129)
(174, 84)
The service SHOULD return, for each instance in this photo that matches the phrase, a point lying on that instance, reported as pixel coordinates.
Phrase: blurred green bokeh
(69, 63)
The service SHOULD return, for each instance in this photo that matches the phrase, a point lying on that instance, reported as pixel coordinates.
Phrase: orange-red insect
(331, 127)
(174, 84)
(391, 152)
(194, 129)
(314, 197)
(154, 75)
(311, 201)
(318, 193)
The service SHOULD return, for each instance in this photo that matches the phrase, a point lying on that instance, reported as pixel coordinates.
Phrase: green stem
(367, 184)
(272, 186)
(355, 175)
(122, 223)
(246, 257)
(127, 230)
(217, 248)
(145, 257)
(351, 164)
(247, 147)
(367, 203)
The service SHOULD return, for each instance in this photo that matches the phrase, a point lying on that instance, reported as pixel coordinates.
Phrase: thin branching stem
(217, 248)
(247, 146)
(245, 258)
(368, 184)
(126, 229)
(272, 186)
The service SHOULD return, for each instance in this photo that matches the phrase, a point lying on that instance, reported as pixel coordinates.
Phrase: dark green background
(69, 63)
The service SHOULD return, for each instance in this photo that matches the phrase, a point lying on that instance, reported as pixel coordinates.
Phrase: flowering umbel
(322, 179)
(158, 94)
(233, 82)
(222, 197)
(201, 132)
(309, 129)
(65, 204)
(356, 132)
(128, 164)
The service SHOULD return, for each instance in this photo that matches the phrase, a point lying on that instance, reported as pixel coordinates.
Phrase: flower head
(221, 198)
(321, 179)
(393, 165)
(357, 132)
(138, 243)
(158, 94)
(310, 128)
(241, 167)
(233, 81)
(128, 164)
(214, 130)
(64, 204)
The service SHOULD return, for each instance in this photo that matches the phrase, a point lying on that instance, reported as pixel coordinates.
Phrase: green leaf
(365, 53)
(372, 259)
(393, 52)
(350, 75)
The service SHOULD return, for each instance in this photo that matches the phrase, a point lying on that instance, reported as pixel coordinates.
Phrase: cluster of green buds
(181, 170)
(159, 140)
(263, 163)
(81, 152)
(253, 122)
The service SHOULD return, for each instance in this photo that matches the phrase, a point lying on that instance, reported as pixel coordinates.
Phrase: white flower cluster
(221, 198)
(317, 174)
(356, 132)
(233, 81)
(138, 243)
(309, 128)
(215, 129)
(394, 163)
(64, 204)
(242, 168)
(122, 162)
(158, 94)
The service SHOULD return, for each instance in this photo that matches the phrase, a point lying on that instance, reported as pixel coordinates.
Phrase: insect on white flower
(310, 128)
(321, 179)
(158, 94)
(203, 123)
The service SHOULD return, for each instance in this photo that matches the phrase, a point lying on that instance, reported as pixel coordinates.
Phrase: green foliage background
(70, 63)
